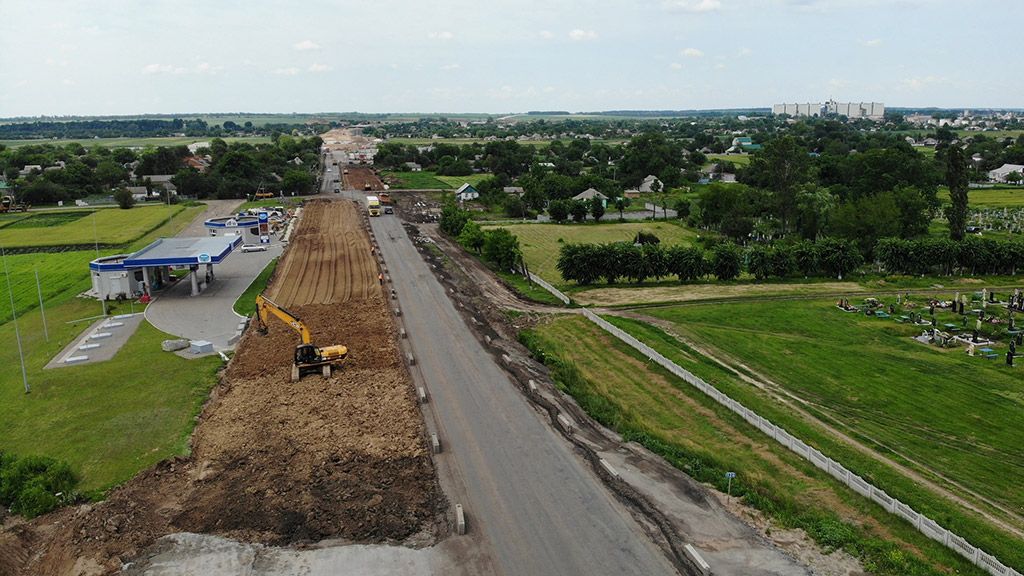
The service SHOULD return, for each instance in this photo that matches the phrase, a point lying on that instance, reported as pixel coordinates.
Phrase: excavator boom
(307, 355)
(265, 307)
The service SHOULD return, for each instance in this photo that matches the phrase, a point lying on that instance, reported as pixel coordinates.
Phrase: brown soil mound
(275, 462)
(357, 179)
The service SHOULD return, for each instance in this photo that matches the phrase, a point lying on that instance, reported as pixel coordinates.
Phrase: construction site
(274, 462)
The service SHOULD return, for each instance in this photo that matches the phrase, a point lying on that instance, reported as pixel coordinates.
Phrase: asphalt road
(539, 507)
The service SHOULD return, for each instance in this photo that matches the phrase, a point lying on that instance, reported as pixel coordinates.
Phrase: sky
(498, 56)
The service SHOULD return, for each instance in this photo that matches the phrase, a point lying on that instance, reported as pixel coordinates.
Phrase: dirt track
(275, 462)
(359, 176)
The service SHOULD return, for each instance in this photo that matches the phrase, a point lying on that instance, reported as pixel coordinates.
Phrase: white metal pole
(42, 311)
(14, 314)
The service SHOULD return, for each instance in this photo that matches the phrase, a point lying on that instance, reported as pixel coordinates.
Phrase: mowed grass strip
(541, 243)
(416, 181)
(107, 420)
(636, 397)
(957, 414)
(105, 226)
(1002, 196)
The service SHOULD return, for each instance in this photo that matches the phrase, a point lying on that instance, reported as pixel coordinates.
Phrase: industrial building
(869, 110)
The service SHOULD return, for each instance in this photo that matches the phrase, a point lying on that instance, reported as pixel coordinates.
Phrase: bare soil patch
(358, 177)
(689, 293)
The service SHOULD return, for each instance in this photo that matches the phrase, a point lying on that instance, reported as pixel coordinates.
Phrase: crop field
(134, 142)
(952, 417)
(107, 420)
(623, 390)
(415, 181)
(107, 226)
(540, 243)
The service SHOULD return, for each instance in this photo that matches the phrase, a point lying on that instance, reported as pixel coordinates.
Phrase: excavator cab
(307, 354)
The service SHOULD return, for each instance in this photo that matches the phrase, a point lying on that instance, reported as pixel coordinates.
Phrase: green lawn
(107, 420)
(737, 159)
(246, 303)
(416, 181)
(456, 181)
(541, 243)
(106, 226)
(134, 142)
(639, 399)
(958, 414)
(998, 197)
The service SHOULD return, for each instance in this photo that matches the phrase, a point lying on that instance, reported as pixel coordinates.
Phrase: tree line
(497, 246)
(638, 262)
(943, 256)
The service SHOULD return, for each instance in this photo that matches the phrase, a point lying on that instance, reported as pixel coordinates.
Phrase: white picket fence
(545, 285)
(924, 524)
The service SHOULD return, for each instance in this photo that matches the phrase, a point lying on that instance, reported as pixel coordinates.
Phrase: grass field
(107, 420)
(737, 159)
(462, 141)
(955, 415)
(647, 404)
(133, 142)
(456, 181)
(540, 243)
(416, 181)
(1008, 196)
(106, 226)
(246, 303)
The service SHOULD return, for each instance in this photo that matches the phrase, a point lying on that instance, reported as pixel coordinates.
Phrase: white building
(869, 110)
(1000, 174)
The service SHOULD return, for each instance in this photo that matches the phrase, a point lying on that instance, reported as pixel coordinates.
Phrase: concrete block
(506, 359)
(398, 311)
(702, 566)
(200, 347)
(88, 346)
(409, 357)
(113, 325)
(460, 520)
(608, 468)
(435, 444)
(566, 423)
(487, 339)
(76, 359)
(401, 332)
(421, 393)
(532, 386)
(100, 335)
(394, 295)
(387, 278)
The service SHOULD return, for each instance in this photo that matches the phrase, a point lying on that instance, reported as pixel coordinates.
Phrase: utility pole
(14, 314)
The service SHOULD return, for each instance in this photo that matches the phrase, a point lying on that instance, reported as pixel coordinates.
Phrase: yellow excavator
(308, 357)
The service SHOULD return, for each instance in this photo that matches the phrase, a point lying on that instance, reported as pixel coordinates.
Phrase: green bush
(30, 485)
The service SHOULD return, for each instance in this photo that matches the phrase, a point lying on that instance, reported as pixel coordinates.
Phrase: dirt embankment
(275, 462)
(359, 176)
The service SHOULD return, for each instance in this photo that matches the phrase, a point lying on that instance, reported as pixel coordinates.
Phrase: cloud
(207, 68)
(547, 34)
(675, 66)
(696, 6)
(744, 52)
(163, 69)
(450, 67)
(691, 53)
(921, 82)
(579, 35)
(306, 45)
(442, 35)
(872, 43)
(289, 71)
(320, 67)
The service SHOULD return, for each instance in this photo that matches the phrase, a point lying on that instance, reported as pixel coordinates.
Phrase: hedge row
(587, 263)
(942, 256)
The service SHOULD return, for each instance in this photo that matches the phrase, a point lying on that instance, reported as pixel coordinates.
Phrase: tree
(453, 219)
(472, 236)
(124, 198)
(621, 203)
(838, 257)
(682, 208)
(780, 167)
(1014, 177)
(687, 263)
(514, 206)
(725, 261)
(578, 208)
(502, 248)
(596, 208)
(558, 210)
(297, 182)
(956, 180)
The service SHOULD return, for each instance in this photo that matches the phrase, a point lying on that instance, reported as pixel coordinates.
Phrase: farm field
(953, 417)
(107, 420)
(647, 404)
(737, 159)
(61, 228)
(415, 180)
(540, 243)
(134, 142)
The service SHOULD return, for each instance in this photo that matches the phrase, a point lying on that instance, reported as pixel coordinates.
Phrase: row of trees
(497, 246)
(943, 256)
(588, 263)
